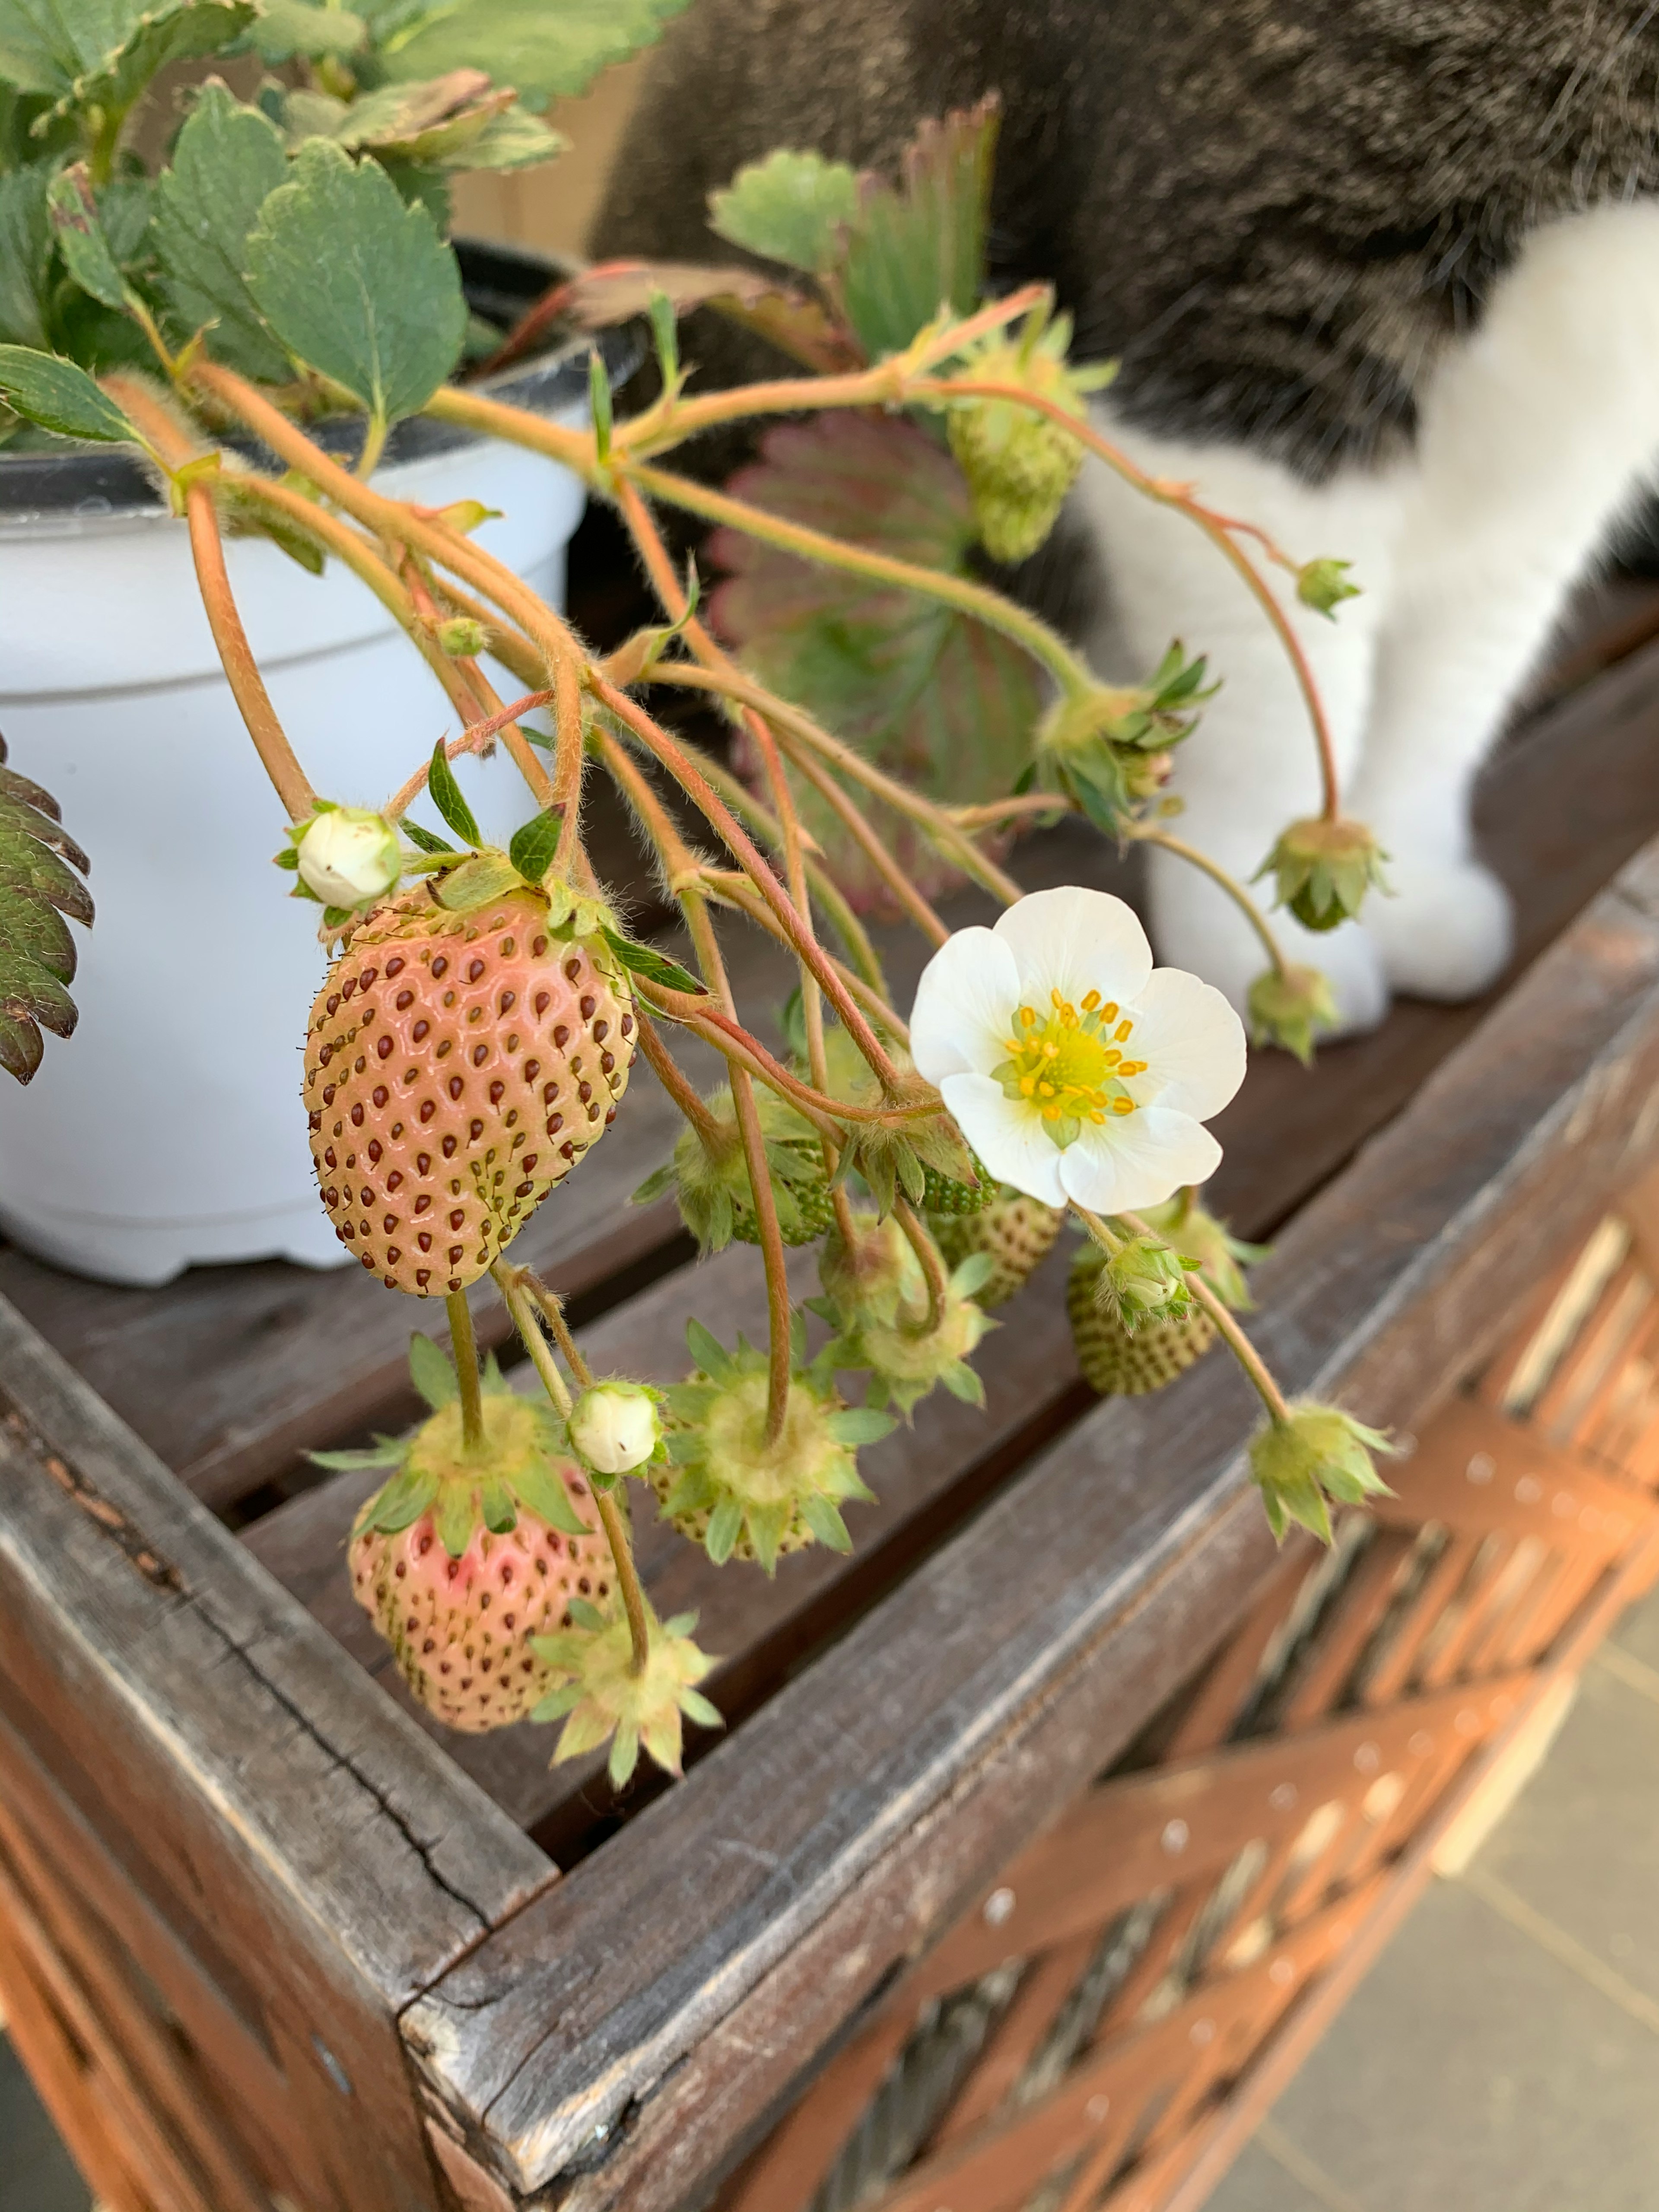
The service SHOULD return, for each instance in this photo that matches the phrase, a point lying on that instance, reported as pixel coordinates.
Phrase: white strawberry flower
(349, 855)
(1073, 1067)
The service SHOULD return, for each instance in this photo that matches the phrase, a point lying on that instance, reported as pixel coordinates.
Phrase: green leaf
(60, 397)
(445, 795)
(226, 163)
(289, 29)
(430, 1371)
(920, 246)
(514, 139)
(793, 208)
(533, 846)
(38, 885)
(931, 695)
(83, 54)
(80, 238)
(356, 284)
(656, 967)
(548, 48)
(26, 252)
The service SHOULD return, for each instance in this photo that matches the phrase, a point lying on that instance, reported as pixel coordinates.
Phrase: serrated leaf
(226, 163)
(60, 396)
(445, 795)
(616, 291)
(83, 54)
(930, 695)
(656, 967)
(920, 246)
(79, 236)
(356, 284)
(37, 953)
(431, 1372)
(423, 122)
(548, 48)
(793, 208)
(533, 845)
(288, 29)
(26, 251)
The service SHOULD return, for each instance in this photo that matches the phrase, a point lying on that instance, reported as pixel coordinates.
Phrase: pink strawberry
(458, 1065)
(465, 1554)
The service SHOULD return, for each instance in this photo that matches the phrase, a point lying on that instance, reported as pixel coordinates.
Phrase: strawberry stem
(622, 1552)
(466, 1369)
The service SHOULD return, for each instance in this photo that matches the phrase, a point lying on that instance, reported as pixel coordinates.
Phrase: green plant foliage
(919, 246)
(61, 396)
(25, 254)
(290, 29)
(548, 49)
(793, 208)
(81, 54)
(39, 885)
(81, 238)
(927, 693)
(357, 285)
(227, 162)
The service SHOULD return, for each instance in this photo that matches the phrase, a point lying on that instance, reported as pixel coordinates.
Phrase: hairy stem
(920, 1240)
(622, 1554)
(676, 1083)
(466, 1369)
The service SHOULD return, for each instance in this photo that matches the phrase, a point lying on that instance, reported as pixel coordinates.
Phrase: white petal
(1192, 1041)
(964, 1007)
(1137, 1160)
(1076, 941)
(1007, 1135)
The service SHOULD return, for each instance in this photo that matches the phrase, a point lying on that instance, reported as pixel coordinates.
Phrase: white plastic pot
(168, 1129)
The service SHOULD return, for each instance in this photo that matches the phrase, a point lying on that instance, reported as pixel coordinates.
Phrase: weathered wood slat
(734, 1926)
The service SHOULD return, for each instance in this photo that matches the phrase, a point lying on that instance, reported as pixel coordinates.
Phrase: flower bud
(463, 639)
(1290, 1007)
(614, 1426)
(1143, 1281)
(1318, 1453)
(1324, 869)
(348, 856)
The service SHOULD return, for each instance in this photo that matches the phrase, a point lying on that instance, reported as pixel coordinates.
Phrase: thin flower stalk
(1256, 1369)
(931, 1259)
(1230, 883)
(674, 1079)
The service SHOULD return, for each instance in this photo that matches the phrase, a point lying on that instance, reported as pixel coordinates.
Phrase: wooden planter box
(1050, 1826)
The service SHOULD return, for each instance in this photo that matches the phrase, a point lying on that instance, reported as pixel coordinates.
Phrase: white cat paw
(1447, 930)
(1196, 926)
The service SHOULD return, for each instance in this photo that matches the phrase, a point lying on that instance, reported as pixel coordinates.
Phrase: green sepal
(825, 1523)
(725, 1527)
(861, 1425)
(430, 1371)
(428, 840)
(387, 1451)
(477, 882)
(963, 1381)
(655, 967)
(709, 1354)
(768, 1526)
(500, 1515)
(533, 845)
(540, 1491)
(403, 1501)
(457, 1517)
(445, 795)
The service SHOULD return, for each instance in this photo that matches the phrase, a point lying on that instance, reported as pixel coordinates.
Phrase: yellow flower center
(1069, 1063)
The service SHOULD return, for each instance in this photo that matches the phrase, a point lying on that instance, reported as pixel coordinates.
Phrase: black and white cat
(1382, 276)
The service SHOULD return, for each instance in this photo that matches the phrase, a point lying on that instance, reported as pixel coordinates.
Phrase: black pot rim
(98, 483)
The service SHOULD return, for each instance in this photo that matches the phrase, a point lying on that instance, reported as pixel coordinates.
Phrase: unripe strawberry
(463, 1556)
(1116, 1362)
(1020, 465)
(945, 1194)
(1016, 1233)
(458, 1065)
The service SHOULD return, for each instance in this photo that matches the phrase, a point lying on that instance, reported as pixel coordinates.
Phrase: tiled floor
(1502, 2055)
(36, 2172)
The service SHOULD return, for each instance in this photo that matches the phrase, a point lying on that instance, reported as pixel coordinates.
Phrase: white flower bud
(349, 856)
(614, 1426)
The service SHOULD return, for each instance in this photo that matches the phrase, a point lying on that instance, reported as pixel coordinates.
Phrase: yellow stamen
(1066, 1065)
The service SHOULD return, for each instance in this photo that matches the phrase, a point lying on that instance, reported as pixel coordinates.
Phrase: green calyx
(602, 1699)
(709, 1176)
(731, 1490)
(523, 1464)
(1322, 870)
(1318, 1456)
(1145, 1280)
(1323, 584)
(876, 1294)
(1291, 1006)
(1108, 748)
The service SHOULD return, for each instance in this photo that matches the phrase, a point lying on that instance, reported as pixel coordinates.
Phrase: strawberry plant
(478, 1027)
